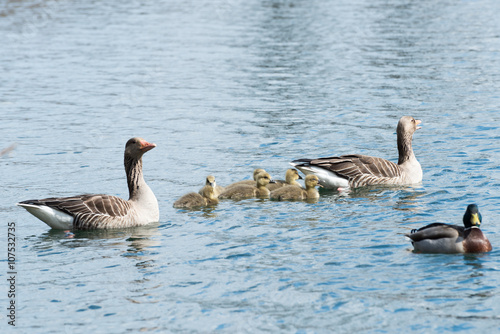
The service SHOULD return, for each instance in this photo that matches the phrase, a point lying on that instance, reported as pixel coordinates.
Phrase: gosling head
(263, 179)
(292, 175)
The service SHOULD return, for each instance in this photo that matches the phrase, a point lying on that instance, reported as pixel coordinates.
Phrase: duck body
(93, 211)
(356, 170)
(446, 238)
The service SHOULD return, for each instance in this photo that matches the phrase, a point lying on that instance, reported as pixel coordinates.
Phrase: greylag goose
(104, 211)
(294, 193)
(256, 172)
(210, 181)
(242, 191)
(291, 177)
(361, 170)
(444, 238)
(205, 197)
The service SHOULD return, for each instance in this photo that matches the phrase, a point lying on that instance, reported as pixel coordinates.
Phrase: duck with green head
(445, 238)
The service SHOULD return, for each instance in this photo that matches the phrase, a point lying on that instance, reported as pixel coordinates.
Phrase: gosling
(211, 180)
(248, 182)
(192, 200)
(243, 191)
(291, 177)
(294, 193)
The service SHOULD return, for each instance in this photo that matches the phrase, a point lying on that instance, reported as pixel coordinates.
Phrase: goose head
(136, 147)
(408, 125)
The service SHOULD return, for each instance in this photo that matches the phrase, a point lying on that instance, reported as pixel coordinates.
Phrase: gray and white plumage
(99, 211)
(356, 170)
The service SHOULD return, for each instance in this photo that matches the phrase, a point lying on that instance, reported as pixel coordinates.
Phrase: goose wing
(359, 169)
(87, 207)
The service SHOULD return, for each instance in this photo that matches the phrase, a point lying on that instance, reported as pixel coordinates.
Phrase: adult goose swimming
(104, 211)
(444, 238)
(356, 170)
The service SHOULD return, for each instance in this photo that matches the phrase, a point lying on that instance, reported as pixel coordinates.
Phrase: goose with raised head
(291, 177)
(294, 193)
(242, 191)
(351, 171)
(205, 197)
(445, 238)
(256, 172)
(104, 211)
(210, 181)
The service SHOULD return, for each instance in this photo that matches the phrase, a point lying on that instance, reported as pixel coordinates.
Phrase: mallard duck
(246, 191)
(444, 238)
(291, 177)
(355, 170)
(205, 197)
(292, 192)
(104, 211)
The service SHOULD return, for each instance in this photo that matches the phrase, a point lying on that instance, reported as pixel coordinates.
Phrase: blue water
(223, 87)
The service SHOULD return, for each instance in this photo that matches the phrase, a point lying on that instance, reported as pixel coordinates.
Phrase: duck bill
(474, 219)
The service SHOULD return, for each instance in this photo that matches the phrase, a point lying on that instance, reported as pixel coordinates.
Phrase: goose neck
(404, 147)
(135, 179)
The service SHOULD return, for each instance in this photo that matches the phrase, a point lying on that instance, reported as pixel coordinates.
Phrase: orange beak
(145, 146)
(418, 122)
